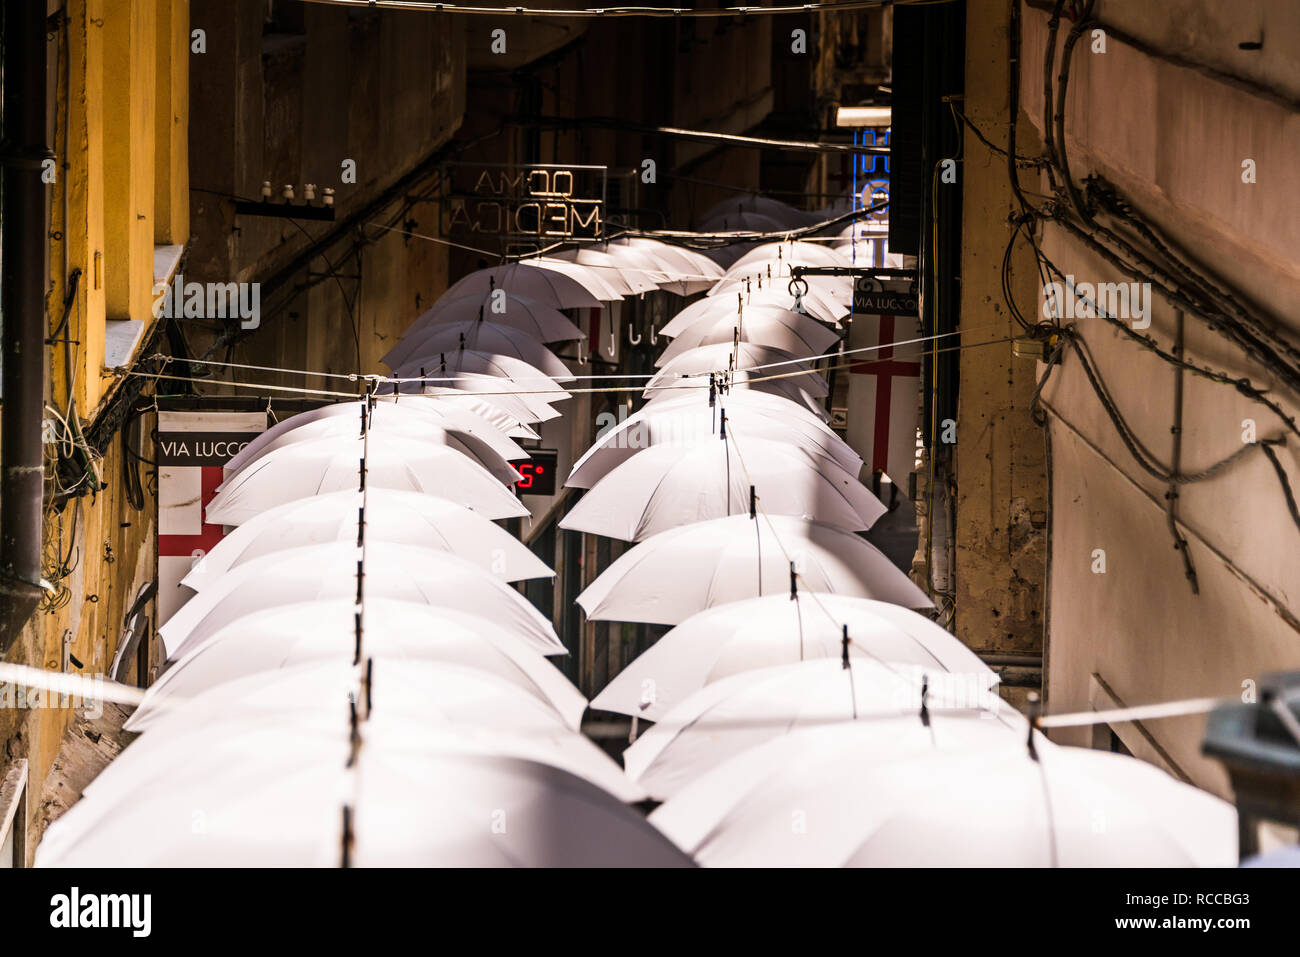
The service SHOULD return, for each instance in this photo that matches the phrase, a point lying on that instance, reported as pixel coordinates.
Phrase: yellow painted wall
(120, 81)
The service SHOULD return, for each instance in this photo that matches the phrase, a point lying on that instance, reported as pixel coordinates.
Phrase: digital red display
(537, 473)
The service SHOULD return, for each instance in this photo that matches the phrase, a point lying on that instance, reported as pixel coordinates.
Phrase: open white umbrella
(391, 421)
(671, 576)
(738, 712)
(549, 286)
(779, 212)
(757, 366)
(866, 799)
(287, 637)
(275, 796)
(817, 303)
(461, 422)
(773, 630)
(391, 515)
(596, 281)
(671, 485)
(522, 378)
(630, 271)
(317, 572)
(687, 271)
(480, 394)
(332, 464)
(492, 338)
(797, 253)
(763, 325)
(685, 422)
(543, 322)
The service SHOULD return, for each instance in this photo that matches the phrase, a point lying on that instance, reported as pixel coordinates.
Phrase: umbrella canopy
(274, 796)
(773, 370)
(773, 630)
(530, 316)
(391, 421)
(679, 423)
(464, 423)
(950, 806)
(816, 303)
(687, 271)
(671, 576)
(549, 286)
(746, 709)
(777, 211)
(599, 282)
(332, 464)
(317, 572)
(423, 347)
(408, 518)
(670, 485)
(480, 394)
(505, 370)
(798, 253)
(275, 639)
(769, 326)
(630, 271)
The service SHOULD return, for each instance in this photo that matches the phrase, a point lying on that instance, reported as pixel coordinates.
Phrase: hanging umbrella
(391, 421)
(391, 515)
(683, 422)
(530, 316)
(546, 285)
(482, 395)
(773, 630)
(631, 272)
(768, 326)
(746, 709)
(484, 373)
(949, 806)
(595, 280)
(317, 572)
(422, 348)
(462, 422)
(687, 271)
(798, 253)
(670, 485)
(775, 277)
(332, 464)
(758, 367)
(670, 576)
(817, 303)
(275, 641)
(778, 211)
(742, 222)
(275, 797)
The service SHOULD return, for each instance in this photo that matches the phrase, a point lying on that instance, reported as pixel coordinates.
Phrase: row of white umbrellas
(803, 714)
(355, 680)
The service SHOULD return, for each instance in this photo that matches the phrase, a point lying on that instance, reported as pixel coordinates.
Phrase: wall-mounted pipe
(25, 256)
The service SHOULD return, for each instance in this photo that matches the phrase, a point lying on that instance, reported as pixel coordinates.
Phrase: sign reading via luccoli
(200, 448)
(520, 201)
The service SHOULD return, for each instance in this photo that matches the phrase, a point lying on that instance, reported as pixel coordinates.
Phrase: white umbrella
(594, 280)
(317, 572)
(391, 515)
(745, 709)
(290, 636)
(759, 367)
(773, 630)
(629, 271)
(778, 211)
(670, 576)
(332, 464)
(548, 286)
(688, 271)
(670, 485)
(817, 303)
(462, 422)
(390, 421)
(684, 422)
(769, 326)
(416, 798)
(480, 335)
(522, 378)
(481, 394)
(775, 277)
(543, 322)
(953, 807)
(798, 253)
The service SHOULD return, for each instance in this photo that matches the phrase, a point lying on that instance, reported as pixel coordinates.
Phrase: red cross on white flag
(884, 386)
